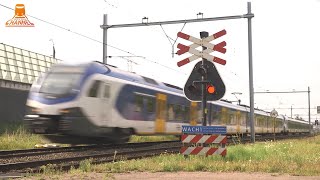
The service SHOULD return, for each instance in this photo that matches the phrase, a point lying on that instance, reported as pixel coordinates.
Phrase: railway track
(269, 137)
(30, 160)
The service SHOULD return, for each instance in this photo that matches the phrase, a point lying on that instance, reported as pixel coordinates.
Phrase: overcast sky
(286, 41)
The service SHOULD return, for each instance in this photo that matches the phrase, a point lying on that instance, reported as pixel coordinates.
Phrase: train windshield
(59, 83)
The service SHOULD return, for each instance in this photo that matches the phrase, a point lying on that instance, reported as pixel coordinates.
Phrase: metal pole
(252, 131)
(291, 111)
(309, 109)
(274, 129)
(177, 21)
(203, 35)
(105, 23)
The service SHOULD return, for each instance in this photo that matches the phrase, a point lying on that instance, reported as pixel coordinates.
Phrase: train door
(238, 121)
(92, 103)
(105, 107)
(224, 116)
(209, 115)
(161, 110)
(193, 114)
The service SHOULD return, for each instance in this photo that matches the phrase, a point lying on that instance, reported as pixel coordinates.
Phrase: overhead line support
(177, 21)
(249, 16)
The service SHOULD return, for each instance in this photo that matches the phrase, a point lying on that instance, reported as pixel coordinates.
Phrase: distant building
(22, 66)
(18, 69)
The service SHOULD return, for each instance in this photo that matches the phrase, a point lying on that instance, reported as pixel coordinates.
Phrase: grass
(294, 157)
(152, 138)
(14, 136)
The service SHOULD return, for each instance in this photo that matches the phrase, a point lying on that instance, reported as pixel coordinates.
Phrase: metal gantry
(281, 92)
(249, 16)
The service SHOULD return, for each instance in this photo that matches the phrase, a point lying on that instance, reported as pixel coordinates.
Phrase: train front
(53, 92)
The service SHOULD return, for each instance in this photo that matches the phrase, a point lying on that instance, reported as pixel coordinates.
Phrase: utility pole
(294, 91)
(249, 16)
(251, 89)
(203, 35)
(105, 45)
(53, 49)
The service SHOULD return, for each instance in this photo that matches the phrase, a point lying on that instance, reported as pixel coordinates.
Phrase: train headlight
(31, 110)
(64, 111)
(71, 112)
(35, 110)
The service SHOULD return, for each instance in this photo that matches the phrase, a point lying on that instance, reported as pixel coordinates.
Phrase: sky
(285, 37)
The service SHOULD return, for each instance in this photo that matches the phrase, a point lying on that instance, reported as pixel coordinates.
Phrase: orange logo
(19, 19)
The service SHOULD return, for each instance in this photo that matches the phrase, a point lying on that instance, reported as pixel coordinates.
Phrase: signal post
(248, 16)
(204, 83)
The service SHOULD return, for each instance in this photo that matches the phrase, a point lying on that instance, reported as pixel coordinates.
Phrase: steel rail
(98, 157)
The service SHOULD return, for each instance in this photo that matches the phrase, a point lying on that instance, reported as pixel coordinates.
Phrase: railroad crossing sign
(204, 82)
(201, 42)
(204, 130)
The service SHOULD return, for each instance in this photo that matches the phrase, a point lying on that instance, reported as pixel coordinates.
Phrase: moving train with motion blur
(96, 102)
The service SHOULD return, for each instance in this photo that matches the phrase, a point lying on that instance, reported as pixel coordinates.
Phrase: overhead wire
(82, 35)
(122, 50)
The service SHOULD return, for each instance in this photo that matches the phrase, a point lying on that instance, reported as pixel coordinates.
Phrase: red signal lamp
(211, 89)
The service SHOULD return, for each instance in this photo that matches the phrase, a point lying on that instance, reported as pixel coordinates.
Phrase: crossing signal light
(195, 89)
(202, 71)
(192, 88)
(214, 86)
(211, 89)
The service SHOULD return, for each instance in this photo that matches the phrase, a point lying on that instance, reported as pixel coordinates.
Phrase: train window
(232, 117)
(150, 104)
(199, 114)
(106, 93)
(170, 112)
(178, 112)
(186, 114)
(224, 115)
(93, 92)
(243, 118)
(138, 103)
(214, 117)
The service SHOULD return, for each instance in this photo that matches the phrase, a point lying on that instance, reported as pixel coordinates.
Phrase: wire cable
(82, 35)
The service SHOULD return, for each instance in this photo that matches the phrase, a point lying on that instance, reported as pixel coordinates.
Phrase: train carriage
(98, 101)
